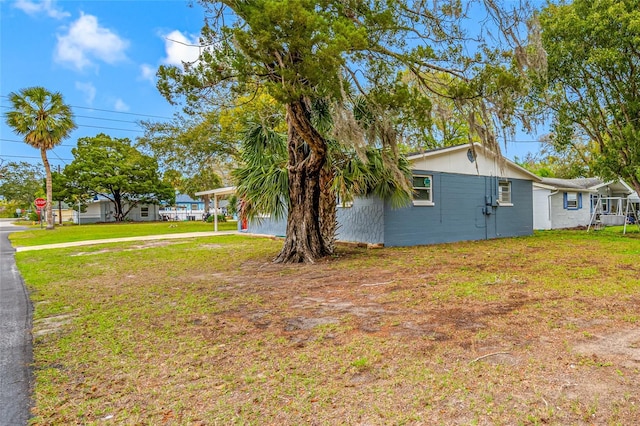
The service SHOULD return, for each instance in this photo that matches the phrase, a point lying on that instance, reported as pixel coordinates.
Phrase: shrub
(221, 218)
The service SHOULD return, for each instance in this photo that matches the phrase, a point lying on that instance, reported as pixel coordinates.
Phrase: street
(15, 336)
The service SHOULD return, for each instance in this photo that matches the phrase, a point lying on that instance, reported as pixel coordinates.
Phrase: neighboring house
(186, 208)
(460, 194)
(563, 203)
(570, 203)
(102, 210)
(61, 209)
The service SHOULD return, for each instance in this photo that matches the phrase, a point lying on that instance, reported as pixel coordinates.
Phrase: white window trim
(510, 202)
(427, 203)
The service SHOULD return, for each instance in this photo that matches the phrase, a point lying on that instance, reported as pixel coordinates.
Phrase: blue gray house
(460, 193)
(185, 208)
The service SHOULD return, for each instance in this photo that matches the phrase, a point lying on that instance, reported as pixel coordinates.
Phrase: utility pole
(59, 204)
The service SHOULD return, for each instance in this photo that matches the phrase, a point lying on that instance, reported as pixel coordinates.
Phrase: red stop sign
(40, 202)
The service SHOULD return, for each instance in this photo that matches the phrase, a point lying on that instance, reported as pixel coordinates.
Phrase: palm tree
(43, 120)
(263, 181)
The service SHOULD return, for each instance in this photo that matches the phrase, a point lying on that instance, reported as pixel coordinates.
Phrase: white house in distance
(102, 210)
(571, 203)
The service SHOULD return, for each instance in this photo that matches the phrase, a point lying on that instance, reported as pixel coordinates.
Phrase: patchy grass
(535, 330)
(38, 236)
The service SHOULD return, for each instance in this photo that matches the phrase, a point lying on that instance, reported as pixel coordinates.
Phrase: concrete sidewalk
(125, 239)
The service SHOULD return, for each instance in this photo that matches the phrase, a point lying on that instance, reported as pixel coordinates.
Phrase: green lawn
(517, 331)
(68, 233)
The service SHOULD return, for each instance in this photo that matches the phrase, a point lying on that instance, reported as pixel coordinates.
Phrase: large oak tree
(112, 168)
(304, 51)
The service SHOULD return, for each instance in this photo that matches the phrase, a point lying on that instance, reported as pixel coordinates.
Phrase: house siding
(569, 218)
(541, 208)
(363, 222)
(266, 226)
(458, 212)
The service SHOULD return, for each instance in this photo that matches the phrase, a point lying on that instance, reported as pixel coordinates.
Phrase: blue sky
(102, 56)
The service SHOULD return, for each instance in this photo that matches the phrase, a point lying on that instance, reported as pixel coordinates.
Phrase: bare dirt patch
(621, 347)
(52, 324)
(134, 247)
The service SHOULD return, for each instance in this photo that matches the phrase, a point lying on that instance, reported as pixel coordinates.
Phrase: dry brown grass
(538, 330)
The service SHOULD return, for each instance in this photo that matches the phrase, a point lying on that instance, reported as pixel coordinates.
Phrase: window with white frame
(144, 211)
(422, 190)
(504, 192)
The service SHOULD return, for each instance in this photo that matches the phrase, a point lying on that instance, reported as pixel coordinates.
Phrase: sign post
(40, 203)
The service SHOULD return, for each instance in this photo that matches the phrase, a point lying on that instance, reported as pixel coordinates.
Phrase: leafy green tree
(189, 143)
(593, 81)
(560, 161)
(204, 178)
(44, 121)
(65, 191)
(303, 52)
(20, 182)
(114, 169)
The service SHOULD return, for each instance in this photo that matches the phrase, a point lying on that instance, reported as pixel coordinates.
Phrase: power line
(121, 112)
(111, 128)
(54, 153)
(97, 118)
(104, 110)
(33, 157)
(17, 141)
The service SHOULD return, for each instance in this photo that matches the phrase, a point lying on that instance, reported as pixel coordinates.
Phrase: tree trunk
(328, 202)
(48, 188)
(206, 204)
(117, 203)
(304, 241)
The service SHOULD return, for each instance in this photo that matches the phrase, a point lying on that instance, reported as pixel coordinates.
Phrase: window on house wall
(504, 192)
(194, 207)
(144, 211)
(422, 190)
(572, 200)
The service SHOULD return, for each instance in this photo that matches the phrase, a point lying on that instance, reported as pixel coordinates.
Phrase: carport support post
(215, 212)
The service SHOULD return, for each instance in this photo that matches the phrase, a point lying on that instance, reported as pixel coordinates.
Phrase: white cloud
(86, 40)
(180, 48)
(47, 7)
(147, 72)
(89, 91)
(120, 106)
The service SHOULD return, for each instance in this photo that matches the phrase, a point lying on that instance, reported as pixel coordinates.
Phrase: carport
(216, 193)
